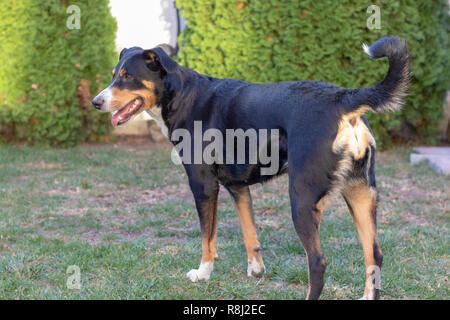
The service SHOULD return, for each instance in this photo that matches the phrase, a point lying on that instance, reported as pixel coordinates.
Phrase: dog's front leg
(206, 202)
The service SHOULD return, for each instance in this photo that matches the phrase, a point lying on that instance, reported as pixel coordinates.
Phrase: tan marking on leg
(209, 235)
(213, 244)
(321, 204)
(243, 205)
(208, 249)
(362, 201)
(209, 232)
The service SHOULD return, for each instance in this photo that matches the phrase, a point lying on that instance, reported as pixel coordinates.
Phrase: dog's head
(137, 83)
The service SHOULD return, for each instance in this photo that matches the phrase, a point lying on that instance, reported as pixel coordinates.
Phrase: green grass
(125, 216)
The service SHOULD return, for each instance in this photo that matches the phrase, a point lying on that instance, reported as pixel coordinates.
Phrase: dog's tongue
(125, 114)
(115, 119)
(121, 114)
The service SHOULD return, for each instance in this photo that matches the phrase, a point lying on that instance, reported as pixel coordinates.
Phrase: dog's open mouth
(123, 115)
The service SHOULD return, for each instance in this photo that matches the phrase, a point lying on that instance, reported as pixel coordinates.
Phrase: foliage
(286, 40)
(49, 72)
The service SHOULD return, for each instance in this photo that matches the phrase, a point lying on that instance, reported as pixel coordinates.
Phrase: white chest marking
(155, 114)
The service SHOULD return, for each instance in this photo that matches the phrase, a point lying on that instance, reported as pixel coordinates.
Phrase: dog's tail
(389, 94)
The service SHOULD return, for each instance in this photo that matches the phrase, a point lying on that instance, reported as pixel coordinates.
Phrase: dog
(325, 145)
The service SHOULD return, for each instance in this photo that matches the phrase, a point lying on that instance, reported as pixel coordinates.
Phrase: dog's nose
(98, 102)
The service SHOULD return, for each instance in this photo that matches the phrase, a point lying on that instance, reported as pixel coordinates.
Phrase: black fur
(307, 115)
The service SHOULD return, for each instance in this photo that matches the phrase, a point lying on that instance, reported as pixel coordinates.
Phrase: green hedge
(43, 63)
(284, 40)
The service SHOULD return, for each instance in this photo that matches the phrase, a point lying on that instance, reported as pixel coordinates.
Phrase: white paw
(372, 295)
(255, 267)
(194, 275)
(202, 273)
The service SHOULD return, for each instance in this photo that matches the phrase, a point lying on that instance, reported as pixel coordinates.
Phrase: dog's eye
(126, 76)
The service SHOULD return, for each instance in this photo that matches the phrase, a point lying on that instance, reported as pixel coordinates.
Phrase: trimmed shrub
(290, 40)
(48, 72)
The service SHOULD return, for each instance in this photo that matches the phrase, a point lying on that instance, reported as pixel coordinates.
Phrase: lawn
(125, 216)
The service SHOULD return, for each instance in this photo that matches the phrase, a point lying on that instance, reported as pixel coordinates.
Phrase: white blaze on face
(107, 96)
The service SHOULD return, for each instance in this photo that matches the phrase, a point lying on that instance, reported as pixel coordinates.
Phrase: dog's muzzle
(103, 100)
(98, 102)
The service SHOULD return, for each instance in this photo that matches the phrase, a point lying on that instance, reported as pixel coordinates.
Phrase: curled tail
(389, 94)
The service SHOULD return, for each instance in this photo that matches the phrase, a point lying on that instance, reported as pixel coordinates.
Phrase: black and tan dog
(325, 144)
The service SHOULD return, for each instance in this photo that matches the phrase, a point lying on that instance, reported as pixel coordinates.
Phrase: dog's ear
(157, 58)
(125, 50)
(122, 53)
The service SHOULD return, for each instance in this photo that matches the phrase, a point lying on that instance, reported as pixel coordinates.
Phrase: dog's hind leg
(205, 195)
(243, 203)
(307, 208)
(362, 202)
